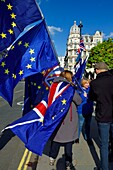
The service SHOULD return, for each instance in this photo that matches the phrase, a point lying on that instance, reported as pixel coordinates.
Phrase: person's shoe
(51, 161)
(69, 165)
(110, 157)
(96, 168)
(77, 140)
(89, 142)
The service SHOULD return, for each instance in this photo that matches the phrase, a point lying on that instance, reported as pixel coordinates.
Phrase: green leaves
(102, 52)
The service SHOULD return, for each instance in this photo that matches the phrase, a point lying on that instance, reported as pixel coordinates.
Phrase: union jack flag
(50, 74)
(81, 46)
(36, 127)
(80, 49)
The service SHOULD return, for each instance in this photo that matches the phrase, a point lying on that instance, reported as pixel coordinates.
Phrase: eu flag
(37, 86)
(15, 15)
(36, 127)
(33, 84)
(32, 53)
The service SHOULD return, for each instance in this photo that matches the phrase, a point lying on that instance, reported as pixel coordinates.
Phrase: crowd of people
(98, 91)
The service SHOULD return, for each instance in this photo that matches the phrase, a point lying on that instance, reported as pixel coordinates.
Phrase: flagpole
(80, 26)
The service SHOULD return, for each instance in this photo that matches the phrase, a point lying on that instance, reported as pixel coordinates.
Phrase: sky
(96, 15)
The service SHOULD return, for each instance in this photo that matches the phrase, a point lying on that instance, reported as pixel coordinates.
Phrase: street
(14, 154)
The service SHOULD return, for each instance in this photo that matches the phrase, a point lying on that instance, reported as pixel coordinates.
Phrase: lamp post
(80, 26)
(66, 60)
(79, 55)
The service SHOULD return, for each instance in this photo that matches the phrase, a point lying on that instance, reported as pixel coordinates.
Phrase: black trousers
(54, 150)
(5, 137)
(111, 147)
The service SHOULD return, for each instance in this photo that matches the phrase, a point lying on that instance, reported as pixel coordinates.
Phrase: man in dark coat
(101, 91)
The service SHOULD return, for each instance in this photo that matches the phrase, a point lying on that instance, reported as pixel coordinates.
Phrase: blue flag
(15, 15)
(32, 85)
(37, 86)
(32, 53)
(36, 127)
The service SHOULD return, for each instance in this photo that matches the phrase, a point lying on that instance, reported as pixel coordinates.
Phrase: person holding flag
(85, 110)
(67, 131)
(36, 127)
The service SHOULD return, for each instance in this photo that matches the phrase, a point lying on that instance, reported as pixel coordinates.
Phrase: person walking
(85, 110)
(67, 131)
(101, 91)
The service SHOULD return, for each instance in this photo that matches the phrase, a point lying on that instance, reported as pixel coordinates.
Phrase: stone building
(73, 42)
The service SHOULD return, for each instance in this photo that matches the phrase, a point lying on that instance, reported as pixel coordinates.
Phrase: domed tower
(73, 42)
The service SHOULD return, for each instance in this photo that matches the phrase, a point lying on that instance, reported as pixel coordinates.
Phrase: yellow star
(50, 82)
(13, 24)
(34, 84)
(51, 75)
(26, 45)
(29, 66)
(31, 51)
(39, 87)
(47, 88)
(14, 76)
(9, 7)
(63, 102)
(13, 16)
(20, 42)
(43, 72)
(3, 35)
(10, 31)
(6, 71)
(12, 47)
(32, 59)
(20, 72)
(3, 64)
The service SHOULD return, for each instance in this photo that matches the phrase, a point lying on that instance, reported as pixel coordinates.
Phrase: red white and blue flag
(80, 49)
(50, 74)
(36, 127)
(81, 46)
(80, 69)
(37, 86)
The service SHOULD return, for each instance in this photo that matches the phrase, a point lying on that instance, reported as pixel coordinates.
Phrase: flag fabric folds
(80, 49)
(37, 86)
(80, 69)
(15, 15)
(80, 62)
(36, 127)
(32, 53)
(80, 65)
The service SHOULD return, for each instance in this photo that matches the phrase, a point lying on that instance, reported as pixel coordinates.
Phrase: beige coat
(68, 129)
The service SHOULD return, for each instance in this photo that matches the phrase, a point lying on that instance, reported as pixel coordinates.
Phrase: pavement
(84, 157)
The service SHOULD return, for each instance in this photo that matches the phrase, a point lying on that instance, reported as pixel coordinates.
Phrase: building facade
(73, 42)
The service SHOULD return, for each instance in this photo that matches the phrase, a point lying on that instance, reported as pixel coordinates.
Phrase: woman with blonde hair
(85, 110)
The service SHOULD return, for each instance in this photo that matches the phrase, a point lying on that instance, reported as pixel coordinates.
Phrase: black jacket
(101, 91)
